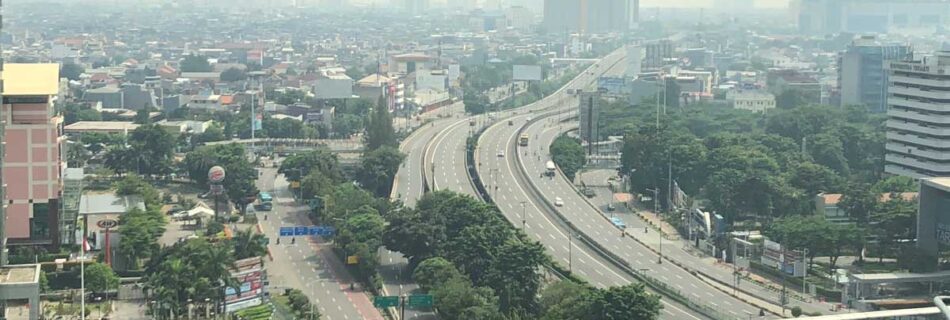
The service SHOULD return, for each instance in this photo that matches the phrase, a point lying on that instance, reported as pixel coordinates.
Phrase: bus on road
(264, 202)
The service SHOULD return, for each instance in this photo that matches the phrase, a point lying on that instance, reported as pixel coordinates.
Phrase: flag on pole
(82, 278)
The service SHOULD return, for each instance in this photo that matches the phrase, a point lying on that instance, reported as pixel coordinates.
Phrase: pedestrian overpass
(290, 145)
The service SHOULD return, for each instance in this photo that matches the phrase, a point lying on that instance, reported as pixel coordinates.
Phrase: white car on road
(558, 202)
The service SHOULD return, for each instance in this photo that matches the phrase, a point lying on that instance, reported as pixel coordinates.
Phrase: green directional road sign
(420, 301)
(385, 301)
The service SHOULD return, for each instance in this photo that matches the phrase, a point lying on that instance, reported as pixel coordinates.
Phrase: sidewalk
(752, 289)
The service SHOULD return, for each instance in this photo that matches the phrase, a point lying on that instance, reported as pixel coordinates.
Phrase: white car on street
(558, 202)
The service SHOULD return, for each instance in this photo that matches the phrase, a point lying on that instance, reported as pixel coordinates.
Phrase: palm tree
(248, 244)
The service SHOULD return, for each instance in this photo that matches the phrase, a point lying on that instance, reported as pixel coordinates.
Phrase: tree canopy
(379, 130)
(195, 63)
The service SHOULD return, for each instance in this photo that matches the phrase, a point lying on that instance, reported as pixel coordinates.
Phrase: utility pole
(570, 251)
(783, 298)
(523, 211)
(656, 210)
(805, 271)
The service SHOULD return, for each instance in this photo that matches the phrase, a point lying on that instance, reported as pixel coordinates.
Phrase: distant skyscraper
(656, 52)
(918, 143)
(587, 16)
(589, 115)
(861, 76)
(863, 16)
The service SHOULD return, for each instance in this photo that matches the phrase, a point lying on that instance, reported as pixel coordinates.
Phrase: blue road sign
(307, 230)
(286, 231)
(321, 231)
(316, 230)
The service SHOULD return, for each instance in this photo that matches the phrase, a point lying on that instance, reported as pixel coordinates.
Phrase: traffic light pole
(402, 307)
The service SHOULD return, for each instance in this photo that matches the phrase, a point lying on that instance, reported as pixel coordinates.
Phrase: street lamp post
(523, 211)
(570, 251)
(656, 210)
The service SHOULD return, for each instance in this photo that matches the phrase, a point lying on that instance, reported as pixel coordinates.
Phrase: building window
(27, 99)
(39, 224)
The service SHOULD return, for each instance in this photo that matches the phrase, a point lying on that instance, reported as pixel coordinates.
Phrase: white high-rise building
(918, 124)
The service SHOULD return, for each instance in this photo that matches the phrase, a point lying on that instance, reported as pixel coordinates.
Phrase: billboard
(611, 85)
(526, 72)
(249, 274)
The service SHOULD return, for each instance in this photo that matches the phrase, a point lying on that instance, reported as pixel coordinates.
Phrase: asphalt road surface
(446, 160)
(308, 264)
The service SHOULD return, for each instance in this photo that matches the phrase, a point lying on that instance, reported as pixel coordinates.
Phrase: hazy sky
(707, 3)
(686, 3)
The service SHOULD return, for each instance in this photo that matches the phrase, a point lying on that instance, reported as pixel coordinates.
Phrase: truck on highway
(550, 168)
(523, 140)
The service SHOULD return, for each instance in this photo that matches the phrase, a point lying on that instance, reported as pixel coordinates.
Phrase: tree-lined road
(446, 159)
(308, 264)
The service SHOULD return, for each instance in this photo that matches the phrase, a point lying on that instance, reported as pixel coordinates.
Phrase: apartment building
(33, 163)
(918, 124)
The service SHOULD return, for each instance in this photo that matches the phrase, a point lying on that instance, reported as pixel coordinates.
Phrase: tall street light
(656, 208)
(523, 211)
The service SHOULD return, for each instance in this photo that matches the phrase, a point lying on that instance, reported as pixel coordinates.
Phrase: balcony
(915, 92)
(917, 116)
(903, 171)
(914, 151)
(919, 140)
(911, 162)
(918, 128)
(919, 81)
(917, 104)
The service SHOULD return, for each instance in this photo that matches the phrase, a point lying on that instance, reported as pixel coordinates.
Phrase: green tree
(895, 184)
(434, 273)
(476, 103)
(894, 219)
(814, 178)
(801, 232)
(566, 300)
(858, 201)
(135, 185)
(194, 270)
(212, 134)
(515, 276)
(828, 150)
(100, 278)
(77, 155)
(413, 234)
(233, 74)
(248, 244)
(153, 147)
(378, 169)
(625, 302)
(379, 130)
(140, 231)
(241, 174)
(346, 125)
(458, 299)
(195, 63)
(121, 159)
(71, 71)
(283, 128)
(790, 99)
(569, 155)
(319, 160)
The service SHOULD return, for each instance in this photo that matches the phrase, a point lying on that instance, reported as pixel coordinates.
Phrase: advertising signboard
(526, 73)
